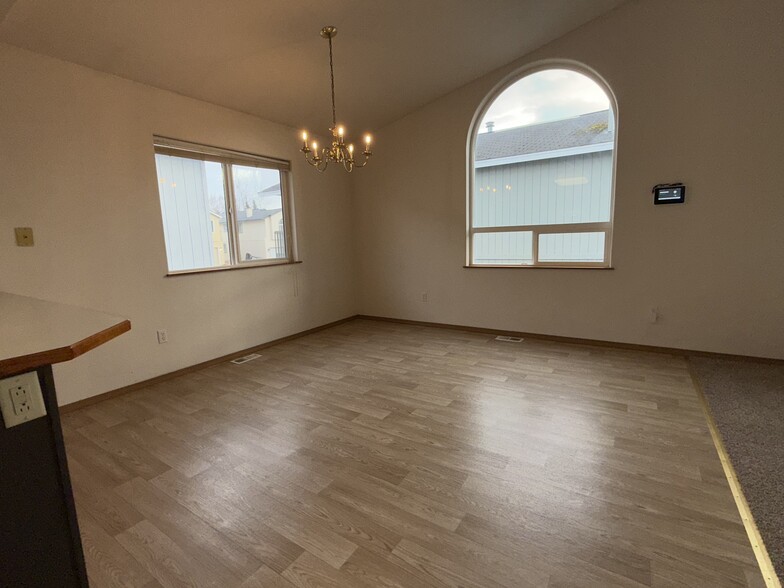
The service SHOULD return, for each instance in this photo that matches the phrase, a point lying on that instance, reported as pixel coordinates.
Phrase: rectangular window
(554, 211)
(222, 208)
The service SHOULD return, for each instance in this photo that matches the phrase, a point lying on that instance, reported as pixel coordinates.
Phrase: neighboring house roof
(242, 216)
(586, 129)
(273, 189)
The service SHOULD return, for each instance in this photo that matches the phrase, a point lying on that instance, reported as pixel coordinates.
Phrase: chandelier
(339, 151)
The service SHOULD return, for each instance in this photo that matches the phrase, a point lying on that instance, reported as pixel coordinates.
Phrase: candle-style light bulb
(368, 140)
(315, 148)
(304, 136)
(341, 130)
(351, 151)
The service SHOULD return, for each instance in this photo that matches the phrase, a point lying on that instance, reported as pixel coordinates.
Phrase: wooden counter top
(36, 332)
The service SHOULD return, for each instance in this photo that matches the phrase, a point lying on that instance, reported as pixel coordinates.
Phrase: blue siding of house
(575, 189)
(182, 184)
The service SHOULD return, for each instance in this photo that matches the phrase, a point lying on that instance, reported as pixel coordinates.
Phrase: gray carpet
(747, 402)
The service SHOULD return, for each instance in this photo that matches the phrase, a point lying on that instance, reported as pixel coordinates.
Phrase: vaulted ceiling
(266, 57)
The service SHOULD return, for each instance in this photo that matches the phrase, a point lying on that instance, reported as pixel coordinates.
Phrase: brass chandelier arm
(364, 162)
(320, 163)
(350, 164)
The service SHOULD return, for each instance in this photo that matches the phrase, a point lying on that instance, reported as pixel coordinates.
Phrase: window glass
(259, 210)
(514, 248)
(193, 205)
(563, 247)
(543, 160)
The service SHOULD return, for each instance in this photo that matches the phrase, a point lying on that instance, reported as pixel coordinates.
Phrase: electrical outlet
(21, 399)
(425, 297)
(163, 336)
(654, 315)
(24, 236)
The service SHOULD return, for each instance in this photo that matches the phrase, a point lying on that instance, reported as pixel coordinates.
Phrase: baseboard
(526, 335)
(576, 340)
(199, 366)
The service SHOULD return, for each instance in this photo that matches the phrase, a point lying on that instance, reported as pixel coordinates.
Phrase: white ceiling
(266, 57)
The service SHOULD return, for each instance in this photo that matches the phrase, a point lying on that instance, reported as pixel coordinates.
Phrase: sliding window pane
(193, 205)
(512, 248)
(259, 212)
(571, 247)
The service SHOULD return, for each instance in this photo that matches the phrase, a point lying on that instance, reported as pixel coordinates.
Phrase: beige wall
(699, 86)
(76, 164)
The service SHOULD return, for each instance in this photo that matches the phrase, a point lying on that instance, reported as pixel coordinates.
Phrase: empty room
(391, 294)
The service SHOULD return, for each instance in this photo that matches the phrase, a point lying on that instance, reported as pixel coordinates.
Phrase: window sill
(225, 268)
(548, 267)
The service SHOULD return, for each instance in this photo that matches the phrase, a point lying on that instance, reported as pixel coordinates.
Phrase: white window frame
(536, 230)
(226, 158)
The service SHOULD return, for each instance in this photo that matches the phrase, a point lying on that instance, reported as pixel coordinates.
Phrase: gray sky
(554, 94)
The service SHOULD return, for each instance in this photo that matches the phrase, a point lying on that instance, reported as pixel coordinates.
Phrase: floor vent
(245, 359)
(509, 339)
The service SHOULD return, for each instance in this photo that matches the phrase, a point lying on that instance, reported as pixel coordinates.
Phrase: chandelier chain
(332, 81)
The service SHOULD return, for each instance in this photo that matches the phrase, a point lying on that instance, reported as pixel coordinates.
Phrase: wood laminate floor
(383, 455)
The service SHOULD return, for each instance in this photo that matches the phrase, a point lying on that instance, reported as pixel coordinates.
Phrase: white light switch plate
(21, 399)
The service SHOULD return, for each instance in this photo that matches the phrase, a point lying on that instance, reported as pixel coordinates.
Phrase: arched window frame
(537, 230)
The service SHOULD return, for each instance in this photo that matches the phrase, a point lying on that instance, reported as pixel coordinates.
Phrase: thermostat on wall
(669, 193)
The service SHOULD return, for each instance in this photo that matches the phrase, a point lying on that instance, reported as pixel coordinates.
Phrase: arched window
(542, 166)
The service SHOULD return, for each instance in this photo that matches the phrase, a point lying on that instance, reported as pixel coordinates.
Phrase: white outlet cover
(11, 387)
